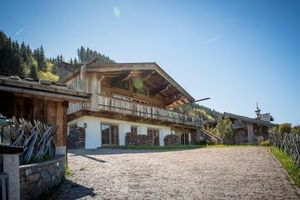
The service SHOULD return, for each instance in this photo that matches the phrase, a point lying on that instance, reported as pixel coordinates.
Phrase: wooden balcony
(238, 125)
(139, 110)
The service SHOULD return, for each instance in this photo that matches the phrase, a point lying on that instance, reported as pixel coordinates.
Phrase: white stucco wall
(93, 134)
(142, 129)
(123, 129)
(163, 132)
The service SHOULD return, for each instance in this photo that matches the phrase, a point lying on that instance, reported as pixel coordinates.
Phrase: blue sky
(236, 52)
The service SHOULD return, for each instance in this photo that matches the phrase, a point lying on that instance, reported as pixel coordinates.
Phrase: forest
(20, 60)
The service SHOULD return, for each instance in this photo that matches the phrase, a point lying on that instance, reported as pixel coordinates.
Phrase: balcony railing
(141, 110)
(238, 125)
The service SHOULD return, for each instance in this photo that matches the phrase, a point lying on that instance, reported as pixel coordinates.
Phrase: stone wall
(135, 139)
(76, 138)
(172, 140)
(39, 178)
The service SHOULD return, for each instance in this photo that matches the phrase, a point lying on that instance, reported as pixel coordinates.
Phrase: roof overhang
(121, 67)
(247, 119)
(37, 90)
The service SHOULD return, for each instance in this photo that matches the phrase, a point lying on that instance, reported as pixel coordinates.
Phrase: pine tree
(86, 55)
(33, 72)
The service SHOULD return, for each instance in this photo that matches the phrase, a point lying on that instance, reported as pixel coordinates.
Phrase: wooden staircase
(210, 138)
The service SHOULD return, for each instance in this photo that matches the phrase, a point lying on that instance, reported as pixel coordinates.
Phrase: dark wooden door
(154, 133)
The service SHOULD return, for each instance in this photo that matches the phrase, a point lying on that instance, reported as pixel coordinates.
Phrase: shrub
(275, 129)
(48, 76)
(285, 128)
(296, 129)
(224, 130)
(265, 143)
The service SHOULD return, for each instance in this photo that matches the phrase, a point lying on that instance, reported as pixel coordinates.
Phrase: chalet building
(248, 130)
(128, 100)
(43, 101)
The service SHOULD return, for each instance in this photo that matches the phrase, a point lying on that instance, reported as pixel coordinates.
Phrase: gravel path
(207, 173)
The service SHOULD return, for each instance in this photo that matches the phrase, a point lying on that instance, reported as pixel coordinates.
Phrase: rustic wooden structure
(249, 130)
(39, 100)
(36, 138)
(135, 93)
(246, 130)
(289, 143)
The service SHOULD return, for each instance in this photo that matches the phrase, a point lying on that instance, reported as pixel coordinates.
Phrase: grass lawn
(287, 163)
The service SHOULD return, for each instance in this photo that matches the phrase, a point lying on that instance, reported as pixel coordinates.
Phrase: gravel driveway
(207, 173)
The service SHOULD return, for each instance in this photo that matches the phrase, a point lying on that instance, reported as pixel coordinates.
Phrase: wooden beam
(122, 77)
(101, 77)
(160, 89)
(175, 98)
(148, 75)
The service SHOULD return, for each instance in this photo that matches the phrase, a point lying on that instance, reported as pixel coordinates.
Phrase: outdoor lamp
(3, 123)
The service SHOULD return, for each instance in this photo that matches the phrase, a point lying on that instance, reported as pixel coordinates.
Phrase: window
(110, 135)
(154, 133)
(134, 129)
(184, 138)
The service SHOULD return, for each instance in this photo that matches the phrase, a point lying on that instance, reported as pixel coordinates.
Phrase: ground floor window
(154, 133)
(185, 139)
(134, 129)
(110, 135)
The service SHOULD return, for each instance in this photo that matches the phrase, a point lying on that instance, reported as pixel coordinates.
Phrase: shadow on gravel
(71, 190)
(115, 151)
(95, 159)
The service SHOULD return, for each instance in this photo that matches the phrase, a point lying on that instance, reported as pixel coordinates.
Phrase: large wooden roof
(247, 119)
(41, 89)
(153, 76)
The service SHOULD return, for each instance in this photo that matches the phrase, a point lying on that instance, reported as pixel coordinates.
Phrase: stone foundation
(39, 178)
(172, 140)
(135, 139)
(76, 138)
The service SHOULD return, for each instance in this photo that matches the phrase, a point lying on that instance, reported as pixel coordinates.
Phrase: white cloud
(213, 39)
(19, 31)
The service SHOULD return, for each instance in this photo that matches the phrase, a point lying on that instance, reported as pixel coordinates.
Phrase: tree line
(20, 60)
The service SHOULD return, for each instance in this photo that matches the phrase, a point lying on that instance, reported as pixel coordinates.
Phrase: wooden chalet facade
(247, 130)
(128, 98)
(43, 101)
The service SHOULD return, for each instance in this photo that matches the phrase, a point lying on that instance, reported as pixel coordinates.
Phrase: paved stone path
(207, 173)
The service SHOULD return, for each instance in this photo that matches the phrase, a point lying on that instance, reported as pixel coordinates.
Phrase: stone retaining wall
(39, 178)
(76, 138)
(172, 140)
(135, 139)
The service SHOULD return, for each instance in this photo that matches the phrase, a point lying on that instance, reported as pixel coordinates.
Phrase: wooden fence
(289, 143)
